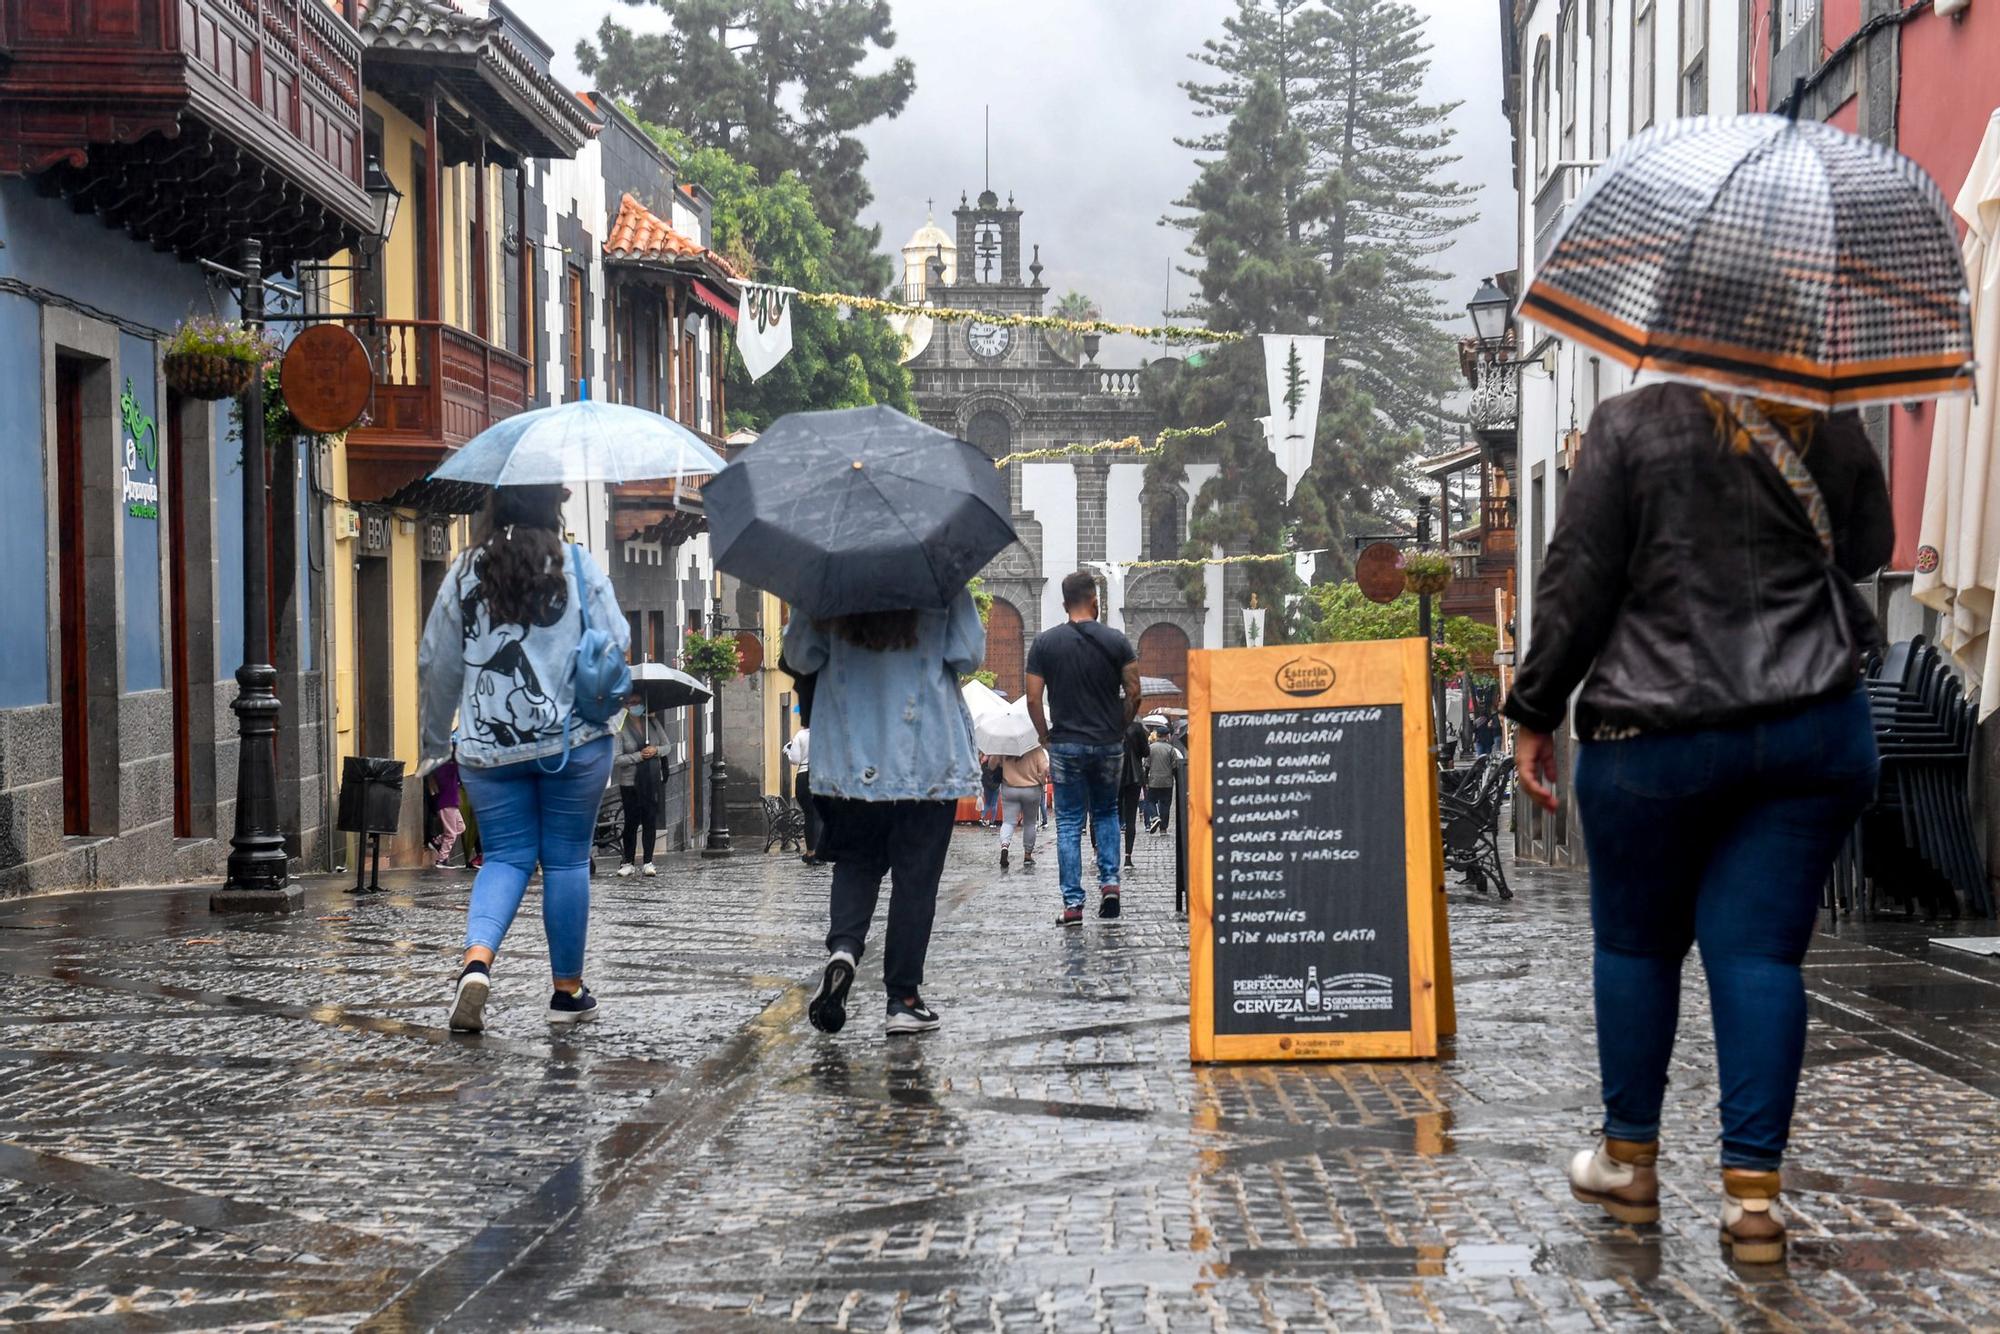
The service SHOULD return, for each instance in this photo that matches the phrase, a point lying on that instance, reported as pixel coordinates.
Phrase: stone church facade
(1010, 389)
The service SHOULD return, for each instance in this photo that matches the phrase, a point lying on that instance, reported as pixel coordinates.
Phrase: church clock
(989, 342)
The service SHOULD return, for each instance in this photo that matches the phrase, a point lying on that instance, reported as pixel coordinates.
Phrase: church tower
(1011, 388)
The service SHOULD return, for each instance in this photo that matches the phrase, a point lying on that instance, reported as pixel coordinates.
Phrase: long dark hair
(876, 631)
(520, 564)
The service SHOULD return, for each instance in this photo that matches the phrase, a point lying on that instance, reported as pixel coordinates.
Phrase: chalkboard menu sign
(1312, 838)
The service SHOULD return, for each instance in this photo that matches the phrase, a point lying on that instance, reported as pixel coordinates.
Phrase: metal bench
(784, 825)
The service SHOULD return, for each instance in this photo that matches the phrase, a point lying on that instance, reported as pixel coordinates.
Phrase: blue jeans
(527, 817)
(1086, 779)
(1720, 837)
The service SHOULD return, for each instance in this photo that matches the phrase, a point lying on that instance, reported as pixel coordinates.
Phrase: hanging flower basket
(213, 359)
(208, 375)
(1425, 572)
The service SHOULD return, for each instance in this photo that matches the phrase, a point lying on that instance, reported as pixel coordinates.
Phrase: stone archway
(1006, 648)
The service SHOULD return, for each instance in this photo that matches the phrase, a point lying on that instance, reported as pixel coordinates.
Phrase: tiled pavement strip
(209, 1123)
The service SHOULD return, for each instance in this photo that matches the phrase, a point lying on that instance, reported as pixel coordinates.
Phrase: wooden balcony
(191, 124)
(436, 386)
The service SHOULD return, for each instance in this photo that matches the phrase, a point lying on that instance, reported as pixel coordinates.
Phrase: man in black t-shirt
(1091, 676)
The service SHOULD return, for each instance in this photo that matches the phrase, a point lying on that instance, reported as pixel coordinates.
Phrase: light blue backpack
(597, 668)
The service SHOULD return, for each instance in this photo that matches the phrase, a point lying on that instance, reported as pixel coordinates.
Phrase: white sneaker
(649, 869)
(468, 1001)
(624, 870)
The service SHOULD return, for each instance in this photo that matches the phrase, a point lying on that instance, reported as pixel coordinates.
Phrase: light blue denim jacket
(893, 726)
(511, 688)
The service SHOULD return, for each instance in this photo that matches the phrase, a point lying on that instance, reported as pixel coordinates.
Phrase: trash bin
(371, 805)
(371, 795)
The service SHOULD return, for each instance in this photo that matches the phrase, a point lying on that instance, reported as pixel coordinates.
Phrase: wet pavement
(215, 1123)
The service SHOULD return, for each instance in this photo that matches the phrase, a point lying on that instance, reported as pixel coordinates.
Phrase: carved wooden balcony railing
(436, 386)
(191, 124)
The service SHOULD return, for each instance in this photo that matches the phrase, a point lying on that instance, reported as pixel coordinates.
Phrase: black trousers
(1128, 818)
(640, 814)
(802, 794)
(1163, 802)
(906, 840)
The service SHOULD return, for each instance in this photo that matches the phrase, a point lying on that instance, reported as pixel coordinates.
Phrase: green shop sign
(142, 451)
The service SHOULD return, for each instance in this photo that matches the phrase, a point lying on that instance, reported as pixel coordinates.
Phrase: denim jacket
(893, 726)
(511, 688)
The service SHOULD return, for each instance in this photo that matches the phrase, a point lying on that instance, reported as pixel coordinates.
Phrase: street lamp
(718, 800)
(385, 198)
(1489, 313)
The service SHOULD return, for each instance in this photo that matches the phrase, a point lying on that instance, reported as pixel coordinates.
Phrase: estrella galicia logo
(1305, 677)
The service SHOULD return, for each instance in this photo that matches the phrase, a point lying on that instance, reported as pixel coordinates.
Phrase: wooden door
(70, 592)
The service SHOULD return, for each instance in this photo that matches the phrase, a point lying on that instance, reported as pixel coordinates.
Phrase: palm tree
(1073, 305)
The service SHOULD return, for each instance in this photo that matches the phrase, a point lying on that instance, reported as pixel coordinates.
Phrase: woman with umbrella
(526, 645)
(1699, 587)
(871, 524)
(637, 770)
(498, 651)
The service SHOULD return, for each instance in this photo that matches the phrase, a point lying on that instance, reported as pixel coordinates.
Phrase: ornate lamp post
(718, 810)
(259, 875)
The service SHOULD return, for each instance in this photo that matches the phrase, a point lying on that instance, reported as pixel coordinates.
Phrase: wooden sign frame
(1308, 677)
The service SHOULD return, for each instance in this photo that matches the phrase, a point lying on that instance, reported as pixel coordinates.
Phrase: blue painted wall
(228, 474)
(24, 534)
(145, 658)
(50, 247)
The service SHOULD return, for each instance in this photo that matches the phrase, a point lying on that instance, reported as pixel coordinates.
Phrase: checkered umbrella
(1786, 259)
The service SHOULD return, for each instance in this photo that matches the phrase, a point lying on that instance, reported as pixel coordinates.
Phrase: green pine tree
(780, 85)
(1295, 378)
(1352, 73)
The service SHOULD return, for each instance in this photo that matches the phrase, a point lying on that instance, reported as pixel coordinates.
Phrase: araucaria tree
(778, 84)
(1370, 201)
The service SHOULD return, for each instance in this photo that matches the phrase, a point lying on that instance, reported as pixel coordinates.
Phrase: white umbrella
(1007, 733)
(586, 441)
(1958, 556)
(981, 699)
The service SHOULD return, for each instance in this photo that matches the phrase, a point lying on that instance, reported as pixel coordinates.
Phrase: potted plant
(716, 658)
(1425, 572)
(213, 359)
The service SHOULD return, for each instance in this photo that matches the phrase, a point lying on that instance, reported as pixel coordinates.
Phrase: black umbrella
(662, 687)
(857, 510)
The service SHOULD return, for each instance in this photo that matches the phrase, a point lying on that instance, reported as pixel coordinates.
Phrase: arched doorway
(1163, 651)
(1006, 649)
(990, 431)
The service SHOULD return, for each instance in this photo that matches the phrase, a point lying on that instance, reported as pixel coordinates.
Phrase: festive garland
(1130, 444)
(1219, 560)
(1171, 333)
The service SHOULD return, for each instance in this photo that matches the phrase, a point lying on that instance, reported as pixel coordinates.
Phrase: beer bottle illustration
(1312, 986)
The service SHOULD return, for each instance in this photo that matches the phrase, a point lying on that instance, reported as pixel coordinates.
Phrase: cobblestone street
(214, 1123)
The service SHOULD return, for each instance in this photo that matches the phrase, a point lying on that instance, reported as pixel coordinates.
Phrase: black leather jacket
(1686, 582)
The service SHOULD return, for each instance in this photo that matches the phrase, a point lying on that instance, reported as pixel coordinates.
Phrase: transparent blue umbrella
(585, 441)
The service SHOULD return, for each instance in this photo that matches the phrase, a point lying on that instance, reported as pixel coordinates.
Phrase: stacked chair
(1916, 843)
(1469, 806)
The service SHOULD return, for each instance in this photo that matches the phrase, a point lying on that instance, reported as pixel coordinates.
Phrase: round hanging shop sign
(1375, 569)
(326, 378)
(751, 651)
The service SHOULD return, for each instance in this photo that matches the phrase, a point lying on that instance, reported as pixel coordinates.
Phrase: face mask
(637, 710)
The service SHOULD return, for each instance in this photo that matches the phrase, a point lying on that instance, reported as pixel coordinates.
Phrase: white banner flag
(763, 328)
(1303, 566)
(1253, 627)
(1114, 592)
(1293, 366)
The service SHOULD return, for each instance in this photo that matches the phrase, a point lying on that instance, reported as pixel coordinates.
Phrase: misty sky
(1086, 106)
